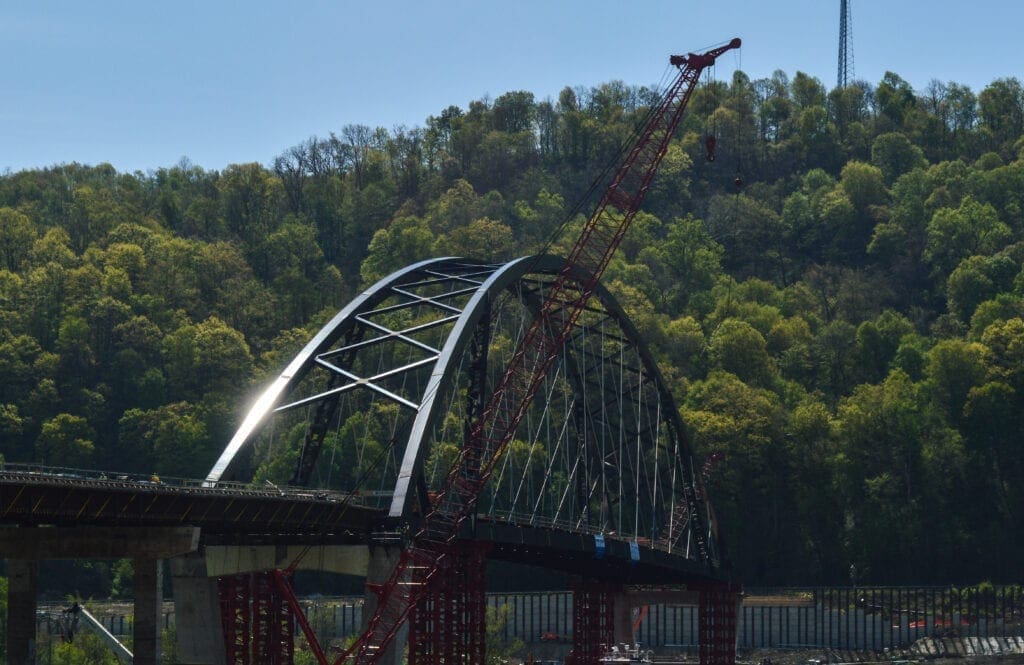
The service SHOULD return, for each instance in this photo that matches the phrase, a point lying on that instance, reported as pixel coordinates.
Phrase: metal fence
(49, 620)
(877, 618)
(861, 618)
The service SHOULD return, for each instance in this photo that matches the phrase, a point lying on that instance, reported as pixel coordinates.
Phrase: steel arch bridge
(377, 405)
(386, 388)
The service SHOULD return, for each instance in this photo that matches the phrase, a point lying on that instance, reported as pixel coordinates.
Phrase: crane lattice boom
(430, 552)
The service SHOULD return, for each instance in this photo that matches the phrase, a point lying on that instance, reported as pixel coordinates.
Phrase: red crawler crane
(432, 549)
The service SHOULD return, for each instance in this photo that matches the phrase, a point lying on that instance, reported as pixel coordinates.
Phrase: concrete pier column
(382, 562)
(200, 638)
(149, 600)
(622, 618)
(23, 586)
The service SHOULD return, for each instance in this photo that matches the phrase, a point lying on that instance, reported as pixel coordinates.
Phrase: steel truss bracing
(236, 617)
(257, 620)
(449, 624)
(593, 604)
(719, 603)
(273, 622)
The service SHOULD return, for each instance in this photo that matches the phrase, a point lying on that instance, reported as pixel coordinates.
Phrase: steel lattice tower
(845, 60)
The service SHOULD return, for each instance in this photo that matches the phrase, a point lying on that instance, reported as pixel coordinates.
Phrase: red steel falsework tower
(257, 620)
(432, 555)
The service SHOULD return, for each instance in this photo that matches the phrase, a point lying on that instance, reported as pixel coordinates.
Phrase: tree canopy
(837, 300)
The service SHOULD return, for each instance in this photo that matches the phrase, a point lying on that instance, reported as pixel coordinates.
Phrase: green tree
(895, 99)
(209, 357)
(882, 435)
(500, 651)
(749, 231)
(895, 155)
(66, 440)
(878, 342)
(685, 263)
(955, 367)
(864, 185)
(745, 425)
(405, 241)
(976, 280)
(18, 356)
(171, 439)
(736, 347)
(482, 239)
(811, 445)
(249, 197)
(17, 235)
(955, 234)
(1001, 107)
(1005, 339)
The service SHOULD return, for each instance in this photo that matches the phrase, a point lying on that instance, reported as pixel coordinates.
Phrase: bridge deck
(242, 515)
(34, 499)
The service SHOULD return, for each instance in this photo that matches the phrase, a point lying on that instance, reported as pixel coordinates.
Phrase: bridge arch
(603, 450)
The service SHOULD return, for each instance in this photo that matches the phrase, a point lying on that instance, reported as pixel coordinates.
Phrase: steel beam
(97, 542)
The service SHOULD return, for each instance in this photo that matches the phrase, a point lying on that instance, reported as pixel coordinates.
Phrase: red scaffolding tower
(449, 625)
(257, 620)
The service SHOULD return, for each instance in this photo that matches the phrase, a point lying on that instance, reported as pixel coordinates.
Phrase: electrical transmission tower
(845, 57)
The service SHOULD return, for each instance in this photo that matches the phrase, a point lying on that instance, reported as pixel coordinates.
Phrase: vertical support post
(148, 586)
(593, 622)
(622, 612)
(23, 587)
(419, 633)
(284, 627)
(262, 618)
(449, 609)
(476, 603)
(272, 633)
(718, 605)
(196, 613)
(236, 617)
(450, 624)
(384, 556)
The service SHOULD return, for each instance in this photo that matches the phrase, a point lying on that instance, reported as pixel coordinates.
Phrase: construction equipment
(431, 551)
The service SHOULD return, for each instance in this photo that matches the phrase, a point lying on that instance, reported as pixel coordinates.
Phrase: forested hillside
(837, 299)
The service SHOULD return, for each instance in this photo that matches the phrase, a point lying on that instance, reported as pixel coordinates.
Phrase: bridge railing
(43, 473)
(55, 474)
(571, 526)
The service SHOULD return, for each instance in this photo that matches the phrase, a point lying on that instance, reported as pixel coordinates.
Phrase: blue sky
(143, 84)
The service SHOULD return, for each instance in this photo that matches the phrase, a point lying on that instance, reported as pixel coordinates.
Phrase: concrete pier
(625, 601)
(200, 639)
(148, 588)
(23, 580)
(24, 548)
